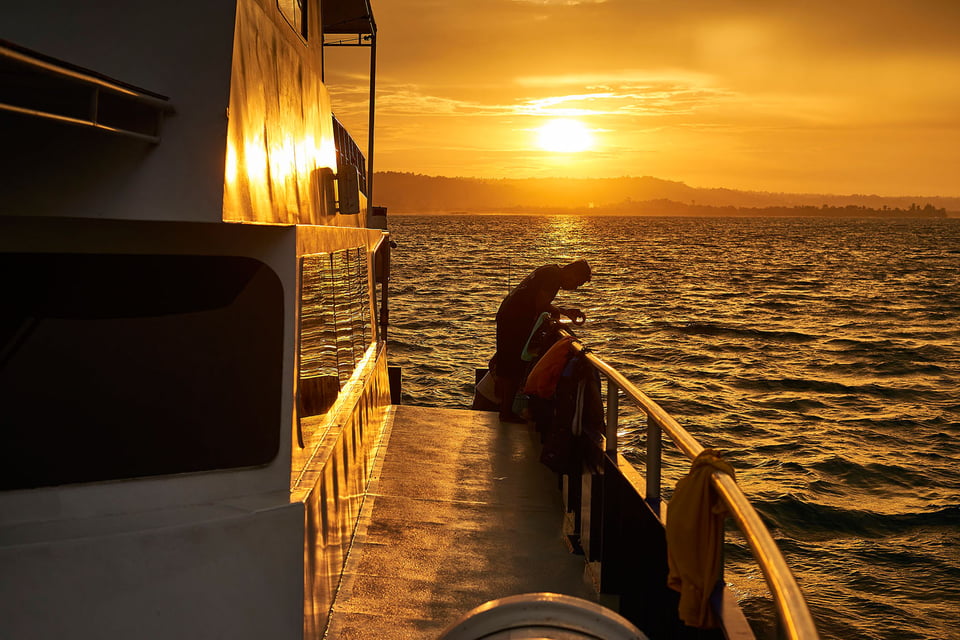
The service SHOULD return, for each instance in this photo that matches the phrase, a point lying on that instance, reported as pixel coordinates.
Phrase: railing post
(654, 437)
(384, 275)
(613, 413)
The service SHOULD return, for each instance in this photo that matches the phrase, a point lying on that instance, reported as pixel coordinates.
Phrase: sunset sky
(825, 96)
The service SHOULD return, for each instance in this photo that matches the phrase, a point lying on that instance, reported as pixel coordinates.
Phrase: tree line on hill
(416, 193)
(662, 207)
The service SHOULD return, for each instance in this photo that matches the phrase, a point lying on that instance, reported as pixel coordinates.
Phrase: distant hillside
(415, 193)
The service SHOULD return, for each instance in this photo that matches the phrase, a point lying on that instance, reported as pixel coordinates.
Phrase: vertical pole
(654, 437)
(384, 290)
(613, 412)
(373, 102)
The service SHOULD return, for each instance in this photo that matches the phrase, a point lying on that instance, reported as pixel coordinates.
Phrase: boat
(200, 432)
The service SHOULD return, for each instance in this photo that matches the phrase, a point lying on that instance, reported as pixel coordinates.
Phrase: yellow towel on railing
(695, 540)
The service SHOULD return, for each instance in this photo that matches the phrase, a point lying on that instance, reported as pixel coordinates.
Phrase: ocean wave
(714, 329)
(824, 487)
(894, 350)
(886, 368)
(401, 347)
(773, 305)
(873, 474)
(794, 405)
(696, 407)
(829, 387)
(421, 325)
(905, 551)
(879, 426)
(804, 519)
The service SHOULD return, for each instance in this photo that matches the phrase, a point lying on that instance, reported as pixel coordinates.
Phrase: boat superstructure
(191, 368)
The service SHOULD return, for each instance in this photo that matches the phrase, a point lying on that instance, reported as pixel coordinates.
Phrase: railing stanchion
(613, 413)
(654, 456)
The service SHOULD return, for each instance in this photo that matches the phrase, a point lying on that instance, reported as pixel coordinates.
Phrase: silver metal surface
(540, 616)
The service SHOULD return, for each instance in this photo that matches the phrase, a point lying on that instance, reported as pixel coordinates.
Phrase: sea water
(821, 355)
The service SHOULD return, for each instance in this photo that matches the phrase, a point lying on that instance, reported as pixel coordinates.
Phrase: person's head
(574, 274)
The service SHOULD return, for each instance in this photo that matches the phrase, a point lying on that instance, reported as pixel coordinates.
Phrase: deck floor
(459, 512)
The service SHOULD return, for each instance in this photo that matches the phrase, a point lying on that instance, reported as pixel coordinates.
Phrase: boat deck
(459, 511)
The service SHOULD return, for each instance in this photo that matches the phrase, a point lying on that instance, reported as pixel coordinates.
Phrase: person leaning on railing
(516, 317)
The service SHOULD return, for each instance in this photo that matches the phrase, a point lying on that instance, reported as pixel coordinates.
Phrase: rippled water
(823, 355)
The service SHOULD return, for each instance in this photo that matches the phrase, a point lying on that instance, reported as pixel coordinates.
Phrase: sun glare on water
(564, 136)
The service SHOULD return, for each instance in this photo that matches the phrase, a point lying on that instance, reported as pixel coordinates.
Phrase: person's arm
(573, 313)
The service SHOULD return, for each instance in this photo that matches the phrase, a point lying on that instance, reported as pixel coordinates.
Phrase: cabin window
(124, 366)
(335, 328)
(295, 11)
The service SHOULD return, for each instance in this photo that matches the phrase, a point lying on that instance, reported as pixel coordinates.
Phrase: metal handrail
(57, 68)
(97, 85)
(791, 605)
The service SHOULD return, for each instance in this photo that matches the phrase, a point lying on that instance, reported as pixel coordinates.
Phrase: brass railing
(796, 622)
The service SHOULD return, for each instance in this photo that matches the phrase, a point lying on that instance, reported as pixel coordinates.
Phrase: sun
(564, 136)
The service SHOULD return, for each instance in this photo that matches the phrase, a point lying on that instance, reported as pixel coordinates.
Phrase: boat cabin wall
(246, 132)
(281, 160)
(180, 52)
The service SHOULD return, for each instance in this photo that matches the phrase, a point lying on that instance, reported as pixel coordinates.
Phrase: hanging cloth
(576, 426)
(695, 540)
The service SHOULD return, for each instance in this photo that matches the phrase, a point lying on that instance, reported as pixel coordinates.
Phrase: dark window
(120, 366)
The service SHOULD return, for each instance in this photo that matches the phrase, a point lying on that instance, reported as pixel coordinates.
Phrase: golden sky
(824, 96)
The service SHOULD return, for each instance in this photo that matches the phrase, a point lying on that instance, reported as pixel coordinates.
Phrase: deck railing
(795, 620)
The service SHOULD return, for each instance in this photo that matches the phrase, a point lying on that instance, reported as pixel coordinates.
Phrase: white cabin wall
(182, 52)
(233, 573)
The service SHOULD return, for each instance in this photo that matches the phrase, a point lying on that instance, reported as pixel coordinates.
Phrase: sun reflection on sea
(564, 235)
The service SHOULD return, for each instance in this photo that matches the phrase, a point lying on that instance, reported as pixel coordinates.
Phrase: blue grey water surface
(821, 355)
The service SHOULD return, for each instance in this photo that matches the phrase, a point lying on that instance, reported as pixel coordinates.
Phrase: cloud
(626, 76)
(410, 100)
(626, 93)
(640, 100)
(406, 100)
